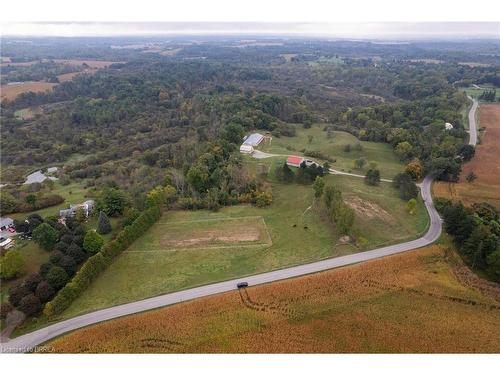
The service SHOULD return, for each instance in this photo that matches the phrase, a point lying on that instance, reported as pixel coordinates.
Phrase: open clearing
(411, 302)
(9, 92)
(486, 188)
(381, 153)
(208, 233)
(150, 267)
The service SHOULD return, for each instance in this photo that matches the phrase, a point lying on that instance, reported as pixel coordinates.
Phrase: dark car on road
(243, 284)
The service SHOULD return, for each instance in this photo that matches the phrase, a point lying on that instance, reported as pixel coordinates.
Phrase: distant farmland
(411, 302)
(486, 188)
(9, 92)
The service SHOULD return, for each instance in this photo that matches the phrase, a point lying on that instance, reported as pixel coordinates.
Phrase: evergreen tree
(103, 224)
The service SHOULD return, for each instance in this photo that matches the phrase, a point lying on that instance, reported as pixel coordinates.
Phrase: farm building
(253, 139)
(6, 223)
(246, 149)
(294, 161)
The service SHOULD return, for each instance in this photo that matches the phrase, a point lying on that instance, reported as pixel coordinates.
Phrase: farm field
(381, 153)
(189, 248)
(486, 188)
(9, 92)
(410, 302)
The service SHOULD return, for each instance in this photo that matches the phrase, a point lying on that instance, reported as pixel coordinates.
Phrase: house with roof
(87, 206)
(294, 161)
(251, 141)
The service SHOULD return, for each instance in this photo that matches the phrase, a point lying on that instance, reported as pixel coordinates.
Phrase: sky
(330, 18)
(371, 30)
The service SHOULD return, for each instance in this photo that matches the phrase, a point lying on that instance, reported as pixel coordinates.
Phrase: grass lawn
(72, 193)
(189, 248)
(381, 153)
(406, 303)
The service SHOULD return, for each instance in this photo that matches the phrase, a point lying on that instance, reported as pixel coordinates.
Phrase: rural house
(87, 207)
(294, 161)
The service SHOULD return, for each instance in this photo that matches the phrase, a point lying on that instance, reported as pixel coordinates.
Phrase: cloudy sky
(352, 18)
(339, 29)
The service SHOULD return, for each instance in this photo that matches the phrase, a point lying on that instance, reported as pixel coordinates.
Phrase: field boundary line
(210, 219)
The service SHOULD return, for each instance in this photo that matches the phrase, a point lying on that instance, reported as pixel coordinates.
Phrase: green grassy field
(475, 92)
(381, 153)
(159, 262)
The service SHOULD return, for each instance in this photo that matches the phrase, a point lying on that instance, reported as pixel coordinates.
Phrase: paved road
(472, 122)
(30, 340)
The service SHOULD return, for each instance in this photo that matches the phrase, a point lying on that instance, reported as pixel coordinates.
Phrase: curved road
(27, 342)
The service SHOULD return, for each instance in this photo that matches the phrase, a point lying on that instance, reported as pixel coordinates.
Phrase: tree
(45, 236)
(113, 201)
(11, 265)
(411, 206)
(372, 177)
(57, 277)
(92, 242)
(31, 282)
(493, 261)
(44, 291)
(467, 152)
(30, 305)
(414, 169)
(197, 177)
(359, 163)
(318, 186)
(263, 199)
(80, 215)
(406, 186)
(31, 199)
(471, 176)
(404, 150)
(16, 294)
(103, 224)
(75, 252)
(68, 264)
(285, 173)
(8, 203)
(345, 219)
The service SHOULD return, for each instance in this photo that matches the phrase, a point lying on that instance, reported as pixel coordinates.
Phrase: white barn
(246, 149)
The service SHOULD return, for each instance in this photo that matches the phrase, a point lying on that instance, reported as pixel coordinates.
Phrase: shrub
(11, 265)
(92, 242)
(67, 239)
(77, 254)
(46, 236)
(103, 224)
(55, 257)
(372, 177)
(68, 264)
(57, 277)
(31, 282)
(44, 291)
(61, 246)
(16, 294)
(45, 268)
(30, 305)
(263, 199)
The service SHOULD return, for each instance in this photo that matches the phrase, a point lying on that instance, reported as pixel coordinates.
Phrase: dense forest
(178, 116)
